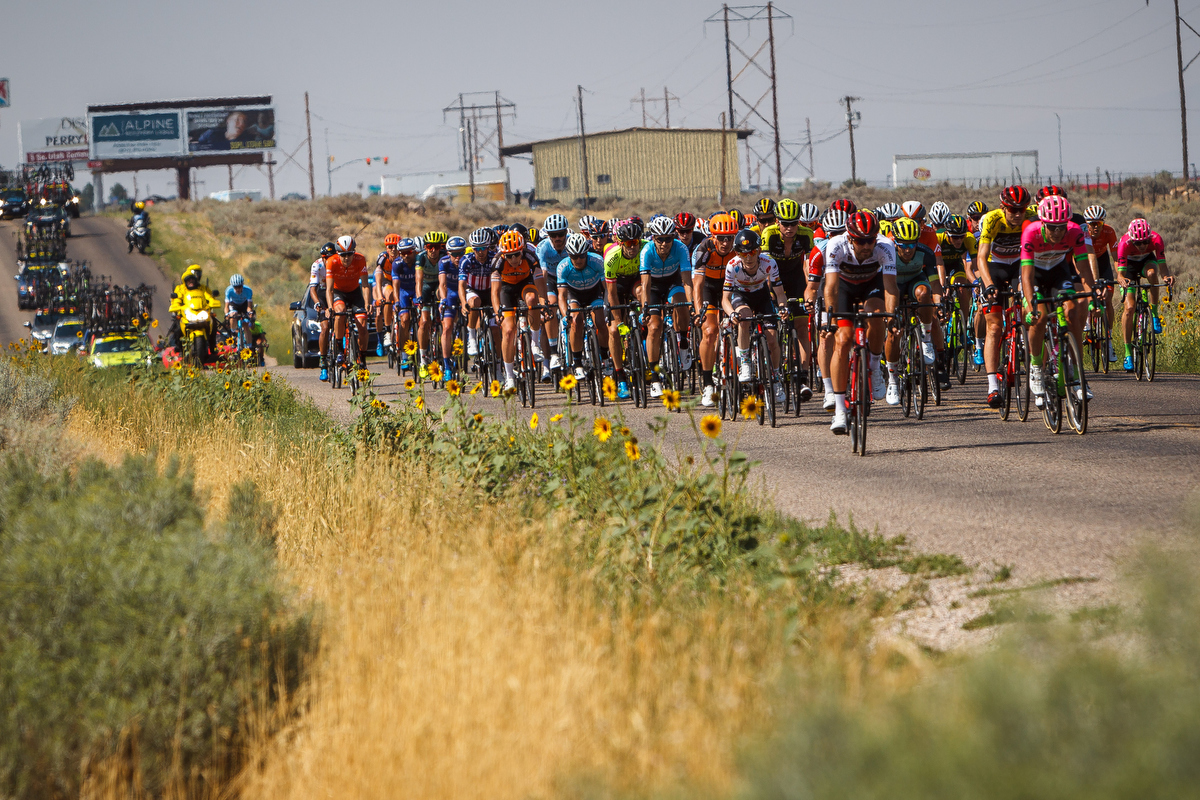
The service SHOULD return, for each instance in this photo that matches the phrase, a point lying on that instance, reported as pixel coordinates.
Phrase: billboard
(212, 130)
(53, 139)
(969, 169)
(135, 134)
(4, 103)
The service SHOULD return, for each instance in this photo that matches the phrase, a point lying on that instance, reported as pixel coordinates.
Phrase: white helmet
(834, 222)
(577, 244)
(345, 244)
(555, 223)
(939, 212)
(661, 226)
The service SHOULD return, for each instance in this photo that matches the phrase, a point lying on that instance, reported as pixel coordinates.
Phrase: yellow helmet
(906, 230)
(435, 237)
(885, 227)
(139, 206)
(193, 271)
(787, 210)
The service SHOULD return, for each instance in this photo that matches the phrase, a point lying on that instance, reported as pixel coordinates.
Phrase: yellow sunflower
(154, 323)
(266, 377)
(435, 372)
(751, 407)
(478, 417)
(363, 374)
(474, 389)
(710, 425)
(419, 402)
(623, 431)
(533, 422)
(191, 373)
(227, 386)
(670, 399)
(556, 418)
(246, 384)
(135, 322)
(567, 383)
(247, 354)
(602, 429)
(495, 389)
(409, 384)
(452, 388)
(610, 389)
(631, 450)
(410, 347)
(457, 349)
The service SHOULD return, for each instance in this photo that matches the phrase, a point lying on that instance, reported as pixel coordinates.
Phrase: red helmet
(844, 205)
(685, 221)
(1015, 197)
(1054, 210)
(1047, 191)
(862, 225)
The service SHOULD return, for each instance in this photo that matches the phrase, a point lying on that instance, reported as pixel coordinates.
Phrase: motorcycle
(138, 235)
(197, 324)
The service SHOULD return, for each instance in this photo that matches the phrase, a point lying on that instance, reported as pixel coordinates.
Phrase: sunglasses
(514, 255)
(1056, 228)
(793, 224)
(664, 239)
(725, 239)
(865, 241)
(899, 245)
(558, 235)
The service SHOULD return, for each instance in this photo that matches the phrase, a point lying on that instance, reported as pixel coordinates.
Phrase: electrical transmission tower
(740, 82)
(485, 134)
(648, 117)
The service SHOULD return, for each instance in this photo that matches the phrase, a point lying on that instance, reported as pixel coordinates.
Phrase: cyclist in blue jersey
(666, 276)
(475, 287)
(383, 294)
(581, 278)
(239, 302)
(456, 250)
(550, 252)
(404, 282)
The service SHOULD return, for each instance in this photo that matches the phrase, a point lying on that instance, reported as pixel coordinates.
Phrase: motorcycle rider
(190, 289)
(239, 302)
(139, 211)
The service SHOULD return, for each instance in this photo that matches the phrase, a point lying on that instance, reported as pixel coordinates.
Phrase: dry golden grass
(467, 655)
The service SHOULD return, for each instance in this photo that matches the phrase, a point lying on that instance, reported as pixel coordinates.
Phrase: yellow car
(115, 350)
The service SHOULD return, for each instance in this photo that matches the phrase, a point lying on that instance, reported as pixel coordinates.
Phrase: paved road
(961, 481)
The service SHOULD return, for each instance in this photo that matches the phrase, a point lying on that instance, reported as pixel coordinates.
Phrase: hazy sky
(933, 75)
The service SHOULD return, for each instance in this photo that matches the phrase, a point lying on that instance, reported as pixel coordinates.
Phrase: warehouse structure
(655, 164)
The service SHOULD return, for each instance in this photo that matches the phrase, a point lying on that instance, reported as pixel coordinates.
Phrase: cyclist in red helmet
(685, 231)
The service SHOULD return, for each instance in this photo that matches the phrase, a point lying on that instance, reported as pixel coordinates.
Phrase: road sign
(4, 93)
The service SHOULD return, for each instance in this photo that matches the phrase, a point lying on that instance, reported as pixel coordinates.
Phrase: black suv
(13, 203)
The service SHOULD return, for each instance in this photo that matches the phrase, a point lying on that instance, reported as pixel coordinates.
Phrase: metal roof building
(655, 164)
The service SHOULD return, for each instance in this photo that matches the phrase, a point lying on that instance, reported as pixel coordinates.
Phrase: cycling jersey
(1130, 252)
(922, 263)
(956, 256)
(549, 257)
(1106, 239)
(773, 244)
(1039, 251)
(382, 261)
(581, 279)
(618, 265)
(694, 242)
(345, 272)
(705, 258)
(505, 271)
(929, 238)
(316, 273)
(816, 260)
(475, 273)
(1005, 239)
(406, 273)
(447, 267)
(240, 298)
(428, 267)
(678, 260)
(738, 279)
(840, 259)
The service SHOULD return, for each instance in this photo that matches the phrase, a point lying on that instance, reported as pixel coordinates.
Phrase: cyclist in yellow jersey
(999, 267)
(958, 249)
(789, 242)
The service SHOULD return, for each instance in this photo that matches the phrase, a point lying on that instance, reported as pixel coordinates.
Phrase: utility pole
(667, 106)
(483, 106)
(583, 149)
(230, 166)
(271, 174)
(850, 120)
(312, 189)
(774, 99)
(728, 68)
(1182, 98)
(1060, 173)
(471, 164)
(808, 135)
(499, 130)
(328, 163)
(462, 129)
(724, 147)
(647, 116)
(643, 106)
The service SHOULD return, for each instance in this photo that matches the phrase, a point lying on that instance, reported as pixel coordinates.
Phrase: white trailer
(967, 169)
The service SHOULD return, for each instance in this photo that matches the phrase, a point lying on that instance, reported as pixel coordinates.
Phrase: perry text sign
(53, 139)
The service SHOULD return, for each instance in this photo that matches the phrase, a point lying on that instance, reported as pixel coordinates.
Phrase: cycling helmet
(328, 249)
(844, 205)
(834, 222)
(738, 218)
(1139, 230)
(913, 210)
(956, 225)
(345, 244)
(521, 229)
(139, 206)
(585, 222)
(237, 281)
(533, 235)
(862, 225)
(483, 239)
(577, 244)
(905, 230)
(787, 210)
(599, 229)
(977, 209)
(1054, 210)
(661, 226)
(747, 241)
(885, 227)
(938, 213)
(629, 231)
(555, 223)
(435, 237)
(809, 214)
(1094, 214)
(193, 272)
(419, 242)
(891, 211)
(750, 221)
(1015, 198)
(723, 225)
(498, 229)
(511, 242)
(702, 224)
(407, 244)
(685, 221)
(613, 223)
(1047, 191)
(765, 208)
(457, 245)
(391, 239)
(641, 226)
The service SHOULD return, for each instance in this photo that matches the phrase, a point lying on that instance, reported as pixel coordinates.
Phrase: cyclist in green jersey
(622, 281)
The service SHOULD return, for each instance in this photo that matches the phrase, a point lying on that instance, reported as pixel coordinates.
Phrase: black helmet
(747, 241)
(328, 249)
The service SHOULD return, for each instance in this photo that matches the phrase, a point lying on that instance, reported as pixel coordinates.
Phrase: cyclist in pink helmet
(1056, 257)
(1140, 253)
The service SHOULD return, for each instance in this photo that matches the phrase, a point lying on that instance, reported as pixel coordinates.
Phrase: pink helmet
(1054, 210)
(1139, 230)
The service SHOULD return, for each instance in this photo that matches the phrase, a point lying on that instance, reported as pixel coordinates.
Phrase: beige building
(657, 164)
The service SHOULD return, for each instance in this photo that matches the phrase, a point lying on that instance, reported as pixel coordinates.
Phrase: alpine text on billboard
(135, 135)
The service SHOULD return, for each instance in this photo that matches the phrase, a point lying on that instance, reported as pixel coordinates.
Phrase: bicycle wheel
(1141, 326)
(766, 379)
(672, 374)
(904, 382)
(862, 408)
(1076, 384)
(731, 390)
(853, 393)
(1020, 375)
(961, 356)
(1094, 339)
(920, 377)
(788, 367)
(1152, 355)
(529, 371)
(1051, 401)
(636, 368)
(595, 368)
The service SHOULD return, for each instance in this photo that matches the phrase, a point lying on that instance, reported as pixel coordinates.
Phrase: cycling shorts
(851, 294)
(759, 302)
(625, 284)
(353, 299)
(1059, 279)
(551, 279)
(482, 297)
(908, 287)
(663, 290)
(1137, 269)
(795, 282)
(1104, 267)
(956, 276)
(1004, 276)
(712, 291)
(240, 308)
(585, 297)
(429, 296)
(513, 294)
(404, 302)
(450, 305)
